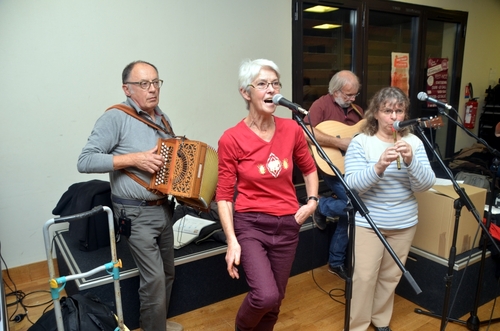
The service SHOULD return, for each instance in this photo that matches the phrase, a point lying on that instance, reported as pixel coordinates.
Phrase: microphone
(278, 99)
(399, 125)
(422, 96)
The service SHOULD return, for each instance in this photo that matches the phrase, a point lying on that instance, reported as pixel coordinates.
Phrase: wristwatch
(313, 198)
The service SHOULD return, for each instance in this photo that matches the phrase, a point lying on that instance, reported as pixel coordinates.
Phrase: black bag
(493, 95)
(79, 313)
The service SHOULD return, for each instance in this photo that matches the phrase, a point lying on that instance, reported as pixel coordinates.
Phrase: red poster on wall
(400, 72)
(437, 79)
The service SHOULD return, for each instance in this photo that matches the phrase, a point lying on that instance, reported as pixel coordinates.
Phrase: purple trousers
(268, 244)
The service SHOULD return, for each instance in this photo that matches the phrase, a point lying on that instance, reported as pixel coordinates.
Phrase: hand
(387, 157)
(343, 143)
(233, 254)
(305, 211)
(149, 161)
(403, 148)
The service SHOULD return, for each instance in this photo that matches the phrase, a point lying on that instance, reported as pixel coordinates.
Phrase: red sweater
(326, 109)
(261, 171)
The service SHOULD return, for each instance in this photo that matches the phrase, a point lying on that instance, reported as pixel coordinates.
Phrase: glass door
(363, 36)
(443, 40)
(390, 36)
(328, 44)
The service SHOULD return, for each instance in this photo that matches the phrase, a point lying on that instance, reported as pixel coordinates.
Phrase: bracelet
(313, 198)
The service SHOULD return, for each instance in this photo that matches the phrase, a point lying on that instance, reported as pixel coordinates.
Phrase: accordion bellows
(189, 172)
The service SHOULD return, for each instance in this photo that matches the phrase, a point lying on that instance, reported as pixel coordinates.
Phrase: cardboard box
(436, 220)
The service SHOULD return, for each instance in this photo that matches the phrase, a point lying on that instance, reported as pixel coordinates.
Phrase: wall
(61, 68)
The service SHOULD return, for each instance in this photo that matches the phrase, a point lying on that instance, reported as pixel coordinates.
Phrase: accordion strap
(140, 181)
(131, 111)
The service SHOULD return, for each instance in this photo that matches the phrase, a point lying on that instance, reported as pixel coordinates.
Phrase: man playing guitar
(336, 106)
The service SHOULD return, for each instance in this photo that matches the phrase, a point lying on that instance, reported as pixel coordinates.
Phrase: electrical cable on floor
(332, 293)
(20, 296)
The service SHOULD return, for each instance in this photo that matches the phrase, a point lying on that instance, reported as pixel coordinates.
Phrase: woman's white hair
(250, 69)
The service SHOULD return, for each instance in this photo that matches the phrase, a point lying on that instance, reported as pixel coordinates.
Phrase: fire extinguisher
(470, 110)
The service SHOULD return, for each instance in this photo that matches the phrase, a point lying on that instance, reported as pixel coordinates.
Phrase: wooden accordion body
(189, 172)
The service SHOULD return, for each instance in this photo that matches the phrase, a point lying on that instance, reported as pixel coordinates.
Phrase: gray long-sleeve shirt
(117, 133)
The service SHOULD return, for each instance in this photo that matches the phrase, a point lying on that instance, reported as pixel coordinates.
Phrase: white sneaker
(173, 326)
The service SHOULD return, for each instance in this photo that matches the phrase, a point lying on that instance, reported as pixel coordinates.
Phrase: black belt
(134, 202)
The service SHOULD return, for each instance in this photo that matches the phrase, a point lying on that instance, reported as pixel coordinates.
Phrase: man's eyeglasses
(390, 111)
(349, 96)
(264, 85)
(144, 84)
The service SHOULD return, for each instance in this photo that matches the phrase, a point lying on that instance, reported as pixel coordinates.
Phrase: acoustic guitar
(341, 130)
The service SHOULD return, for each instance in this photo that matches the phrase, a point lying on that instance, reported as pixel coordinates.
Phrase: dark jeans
(332, 207)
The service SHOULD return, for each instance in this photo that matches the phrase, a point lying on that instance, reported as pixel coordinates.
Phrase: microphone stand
(463, 199)
(354, 203)
(473, 323)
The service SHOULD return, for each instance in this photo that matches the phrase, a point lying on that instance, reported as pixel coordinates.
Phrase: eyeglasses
(390, 111)
(349, 96)
(264, 85)
(144, 84)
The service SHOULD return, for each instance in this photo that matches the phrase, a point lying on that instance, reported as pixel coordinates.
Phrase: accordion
(189, 172)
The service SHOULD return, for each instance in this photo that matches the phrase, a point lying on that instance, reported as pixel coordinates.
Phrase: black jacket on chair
(92, 232)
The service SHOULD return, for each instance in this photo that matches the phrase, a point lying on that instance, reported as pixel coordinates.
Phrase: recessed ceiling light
(320, 9)
(327, 26)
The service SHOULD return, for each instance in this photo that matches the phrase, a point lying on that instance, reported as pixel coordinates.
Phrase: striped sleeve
(389, 198)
